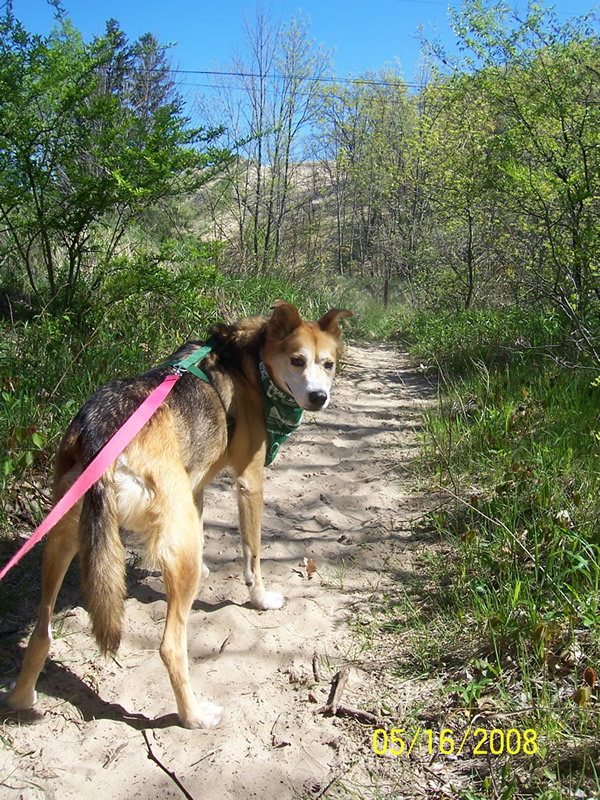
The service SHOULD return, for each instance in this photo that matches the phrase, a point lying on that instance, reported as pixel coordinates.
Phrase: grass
(364, 297)
(512, 627)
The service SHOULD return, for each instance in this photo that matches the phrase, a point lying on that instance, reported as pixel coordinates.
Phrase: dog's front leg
(250, 504)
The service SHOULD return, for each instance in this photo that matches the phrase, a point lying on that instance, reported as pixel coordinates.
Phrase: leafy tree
(461, 182)
(540, 79)
(369, 147)
(84, 149)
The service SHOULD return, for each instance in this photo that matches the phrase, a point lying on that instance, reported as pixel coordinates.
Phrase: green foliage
(364, 297)
(85, 148)
(512, 449)
(368, 130)
(537, 79)
(459, 341)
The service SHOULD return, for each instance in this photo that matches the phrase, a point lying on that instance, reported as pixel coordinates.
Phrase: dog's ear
(284, 319)
(329, 322)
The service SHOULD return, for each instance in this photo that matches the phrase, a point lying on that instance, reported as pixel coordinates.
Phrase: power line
(278, 77)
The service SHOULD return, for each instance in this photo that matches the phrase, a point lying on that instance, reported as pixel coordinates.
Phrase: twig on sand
(338, 684)
(333, 705)
(206, 755)
(276, 742)
(171, 775)
(357, 713)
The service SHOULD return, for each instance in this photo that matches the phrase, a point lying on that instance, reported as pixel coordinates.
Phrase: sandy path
(332, 496)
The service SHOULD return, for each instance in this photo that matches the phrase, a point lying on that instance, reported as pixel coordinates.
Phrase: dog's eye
(329, 365)
(297, 361)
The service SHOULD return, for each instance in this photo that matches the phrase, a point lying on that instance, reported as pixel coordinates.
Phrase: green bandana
(282, 415)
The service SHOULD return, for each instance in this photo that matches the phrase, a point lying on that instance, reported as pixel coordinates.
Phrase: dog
(232, 418)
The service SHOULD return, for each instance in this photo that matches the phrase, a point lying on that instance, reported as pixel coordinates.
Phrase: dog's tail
(102, 561)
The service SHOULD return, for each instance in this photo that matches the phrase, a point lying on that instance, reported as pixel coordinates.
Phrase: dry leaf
(571, 655)
(311, 567)
(590, 677)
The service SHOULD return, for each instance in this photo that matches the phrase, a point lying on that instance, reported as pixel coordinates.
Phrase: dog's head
(301, 356)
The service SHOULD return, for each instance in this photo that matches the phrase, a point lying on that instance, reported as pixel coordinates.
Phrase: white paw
(205, 571)
(267, 601)
(21, 701)
(207, 715)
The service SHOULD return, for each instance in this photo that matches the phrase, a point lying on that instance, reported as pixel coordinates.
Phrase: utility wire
(277, 77)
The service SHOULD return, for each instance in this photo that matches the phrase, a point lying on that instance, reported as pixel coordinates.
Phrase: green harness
(188, 364)
(282, 414)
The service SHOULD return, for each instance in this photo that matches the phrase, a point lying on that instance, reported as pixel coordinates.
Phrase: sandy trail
(333, 495)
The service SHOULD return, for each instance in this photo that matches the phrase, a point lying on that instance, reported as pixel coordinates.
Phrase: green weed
(513, 447)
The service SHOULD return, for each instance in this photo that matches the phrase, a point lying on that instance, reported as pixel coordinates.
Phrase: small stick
(335, 694)
(171, 775)
(114, 755)
(333, 707)
(206, 755)
(363, 716)
(275, 742)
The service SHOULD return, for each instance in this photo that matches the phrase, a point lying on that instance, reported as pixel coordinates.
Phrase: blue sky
(363, 35)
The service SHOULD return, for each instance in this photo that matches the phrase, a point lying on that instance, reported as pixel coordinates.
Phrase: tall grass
(513, 449)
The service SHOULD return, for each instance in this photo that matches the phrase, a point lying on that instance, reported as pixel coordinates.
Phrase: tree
(368, 145)
(269, 102)
(541, 81)
(461, 183)
(84, 150)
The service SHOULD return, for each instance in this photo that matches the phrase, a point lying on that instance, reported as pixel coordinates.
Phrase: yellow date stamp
(398, 742)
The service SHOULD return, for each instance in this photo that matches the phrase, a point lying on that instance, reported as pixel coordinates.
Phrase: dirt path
(334, 495)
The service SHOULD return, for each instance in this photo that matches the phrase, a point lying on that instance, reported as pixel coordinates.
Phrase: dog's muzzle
(317, 399)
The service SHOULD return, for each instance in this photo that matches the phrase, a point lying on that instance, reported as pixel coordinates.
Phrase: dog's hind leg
(181, 568)
(59, 550)
(199, 503)
(250, 505)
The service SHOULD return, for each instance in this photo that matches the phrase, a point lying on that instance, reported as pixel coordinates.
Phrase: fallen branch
(333, 706)
(171, 775)
(338, 684)
(363, 716)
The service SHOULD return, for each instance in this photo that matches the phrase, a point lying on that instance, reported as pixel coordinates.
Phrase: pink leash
(99, 464)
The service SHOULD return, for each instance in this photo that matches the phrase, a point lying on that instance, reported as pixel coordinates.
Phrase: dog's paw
(273, 600)
(20, 701)
(267, 601)
(206, 715)
(205, 571)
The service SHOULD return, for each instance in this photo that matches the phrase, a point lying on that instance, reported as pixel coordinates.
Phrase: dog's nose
(318, 398)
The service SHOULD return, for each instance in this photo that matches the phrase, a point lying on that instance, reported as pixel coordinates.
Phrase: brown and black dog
(155, 488)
